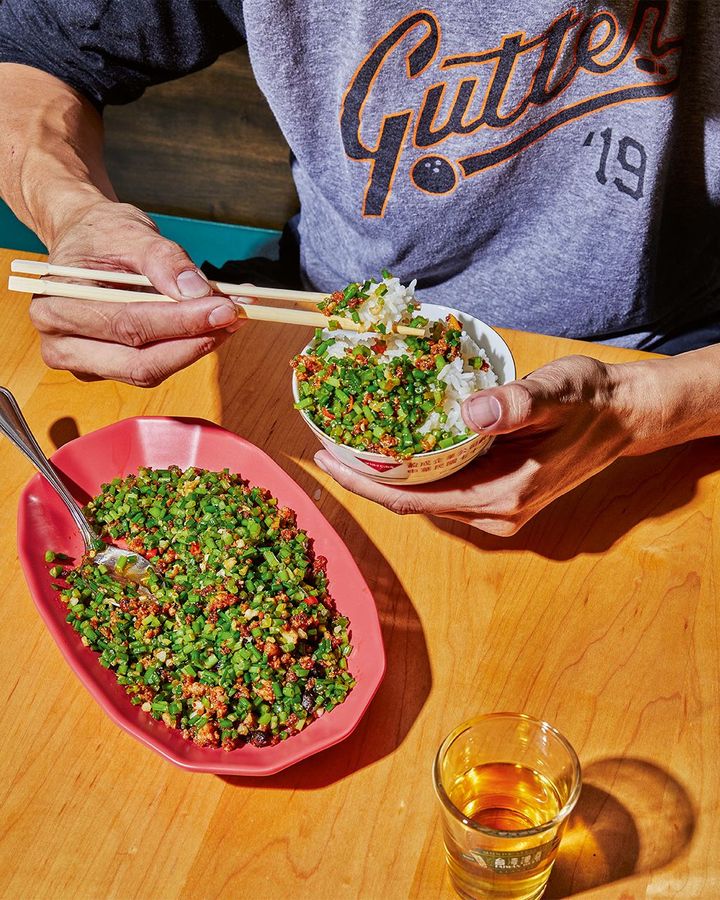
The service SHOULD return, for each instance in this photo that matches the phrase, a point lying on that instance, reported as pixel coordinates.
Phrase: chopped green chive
(237, 602)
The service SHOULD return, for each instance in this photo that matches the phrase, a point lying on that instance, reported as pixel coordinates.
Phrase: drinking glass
(506, 783)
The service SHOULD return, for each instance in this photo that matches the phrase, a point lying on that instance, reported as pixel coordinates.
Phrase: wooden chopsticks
(313, 318)
(115, 295)
(31, 267)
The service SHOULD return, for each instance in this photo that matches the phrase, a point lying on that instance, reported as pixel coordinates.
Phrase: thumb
(501, 410)
(171, 270)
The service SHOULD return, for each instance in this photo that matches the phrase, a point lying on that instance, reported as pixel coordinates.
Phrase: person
(547, 167)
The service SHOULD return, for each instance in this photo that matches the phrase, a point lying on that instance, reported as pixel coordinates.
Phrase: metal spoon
(14, 426)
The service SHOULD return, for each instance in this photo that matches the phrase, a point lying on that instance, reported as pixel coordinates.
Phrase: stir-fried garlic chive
(239, 640)
(375, 405)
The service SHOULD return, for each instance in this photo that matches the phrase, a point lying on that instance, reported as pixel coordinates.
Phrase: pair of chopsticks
(310, 317)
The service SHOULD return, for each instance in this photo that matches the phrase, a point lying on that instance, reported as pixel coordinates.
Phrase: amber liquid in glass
(506, 798)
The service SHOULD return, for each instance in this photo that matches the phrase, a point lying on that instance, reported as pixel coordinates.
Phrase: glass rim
(457, 814)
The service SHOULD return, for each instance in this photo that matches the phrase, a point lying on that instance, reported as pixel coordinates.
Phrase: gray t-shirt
(545, 167)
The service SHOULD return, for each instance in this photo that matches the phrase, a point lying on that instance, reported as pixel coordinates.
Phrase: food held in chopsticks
(236, 638)
(376, 305)
(81, 290)
(385, 393)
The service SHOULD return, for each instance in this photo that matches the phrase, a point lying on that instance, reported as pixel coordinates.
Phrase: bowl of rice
(386, 404)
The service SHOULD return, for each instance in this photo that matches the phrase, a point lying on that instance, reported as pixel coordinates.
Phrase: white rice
(461, 381)
(346, 340)
(389, 308)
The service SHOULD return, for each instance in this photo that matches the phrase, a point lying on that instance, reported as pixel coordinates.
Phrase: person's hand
(138, 343)
(559, 425)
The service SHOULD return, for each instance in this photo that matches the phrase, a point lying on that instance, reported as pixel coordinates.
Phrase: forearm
(51, 157)
(670, 401)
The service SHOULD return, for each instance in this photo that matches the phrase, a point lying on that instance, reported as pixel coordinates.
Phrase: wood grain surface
(205, 146)
(600, 616)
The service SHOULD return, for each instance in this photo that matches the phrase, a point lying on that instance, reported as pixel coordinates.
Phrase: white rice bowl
(478, 340)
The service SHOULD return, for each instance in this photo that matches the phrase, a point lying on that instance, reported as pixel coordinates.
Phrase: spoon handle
(14, 426)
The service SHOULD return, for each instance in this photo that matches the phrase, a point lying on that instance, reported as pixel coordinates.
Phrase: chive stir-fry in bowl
(381, 394)
(234, 638)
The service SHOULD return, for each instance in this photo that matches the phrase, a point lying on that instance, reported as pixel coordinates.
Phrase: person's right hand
(138, 343)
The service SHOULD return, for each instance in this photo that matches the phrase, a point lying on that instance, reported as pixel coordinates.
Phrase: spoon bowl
(13, 426)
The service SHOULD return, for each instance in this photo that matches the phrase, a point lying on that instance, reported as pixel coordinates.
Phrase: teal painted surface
(217, 242)
(211, 241)
(14, 235)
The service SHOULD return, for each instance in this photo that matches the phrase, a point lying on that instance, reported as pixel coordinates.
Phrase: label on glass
(510, 862)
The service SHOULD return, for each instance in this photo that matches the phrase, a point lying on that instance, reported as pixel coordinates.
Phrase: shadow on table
(408, 678)
(61, 432)
(594, 516)
(632, 818)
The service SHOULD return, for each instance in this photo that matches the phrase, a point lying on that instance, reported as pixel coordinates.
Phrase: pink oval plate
(120, 449)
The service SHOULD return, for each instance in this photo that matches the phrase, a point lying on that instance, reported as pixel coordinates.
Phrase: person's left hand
(560, 425)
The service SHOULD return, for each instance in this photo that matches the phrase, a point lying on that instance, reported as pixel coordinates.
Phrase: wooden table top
(599, 616)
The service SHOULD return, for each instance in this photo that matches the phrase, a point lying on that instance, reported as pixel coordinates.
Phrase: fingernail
(192, 283)
(320, 464)
(242, 299)
(222, 315)
(482, 412)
